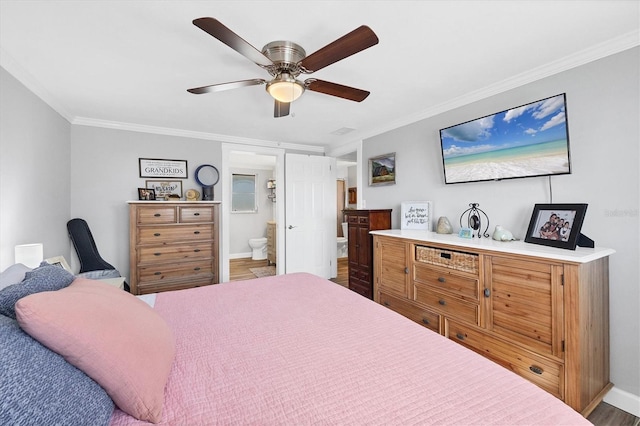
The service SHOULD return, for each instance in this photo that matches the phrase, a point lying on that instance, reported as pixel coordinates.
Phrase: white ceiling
(127, 64)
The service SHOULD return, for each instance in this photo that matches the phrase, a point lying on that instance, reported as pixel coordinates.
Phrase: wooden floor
(604, 414)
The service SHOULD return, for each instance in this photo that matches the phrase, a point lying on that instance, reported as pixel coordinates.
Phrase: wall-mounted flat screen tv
(526, 141)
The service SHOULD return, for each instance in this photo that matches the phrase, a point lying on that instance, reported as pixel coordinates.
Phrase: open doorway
(265, 166)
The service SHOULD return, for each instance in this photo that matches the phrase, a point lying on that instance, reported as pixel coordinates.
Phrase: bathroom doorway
(266, 164)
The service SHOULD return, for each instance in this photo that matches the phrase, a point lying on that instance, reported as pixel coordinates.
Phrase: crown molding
(594, 53)
(132, 127)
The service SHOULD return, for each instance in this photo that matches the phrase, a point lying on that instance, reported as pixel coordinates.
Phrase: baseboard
(240, 255)
(623, 400)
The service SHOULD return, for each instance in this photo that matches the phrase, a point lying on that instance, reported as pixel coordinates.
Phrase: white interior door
(310, 217)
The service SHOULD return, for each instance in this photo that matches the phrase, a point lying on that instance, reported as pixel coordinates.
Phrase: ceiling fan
(286, 60)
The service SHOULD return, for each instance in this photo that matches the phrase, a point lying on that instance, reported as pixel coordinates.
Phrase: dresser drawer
(168, 272)
(362, 289)
(448, 305)
(415, 313)
(195, 214)
(150, 215)
(172, 253)
(167, 234)
(447, 281)
(169, 285)
(544, 372)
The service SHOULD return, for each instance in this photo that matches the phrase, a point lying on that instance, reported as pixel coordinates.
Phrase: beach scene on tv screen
(530, 140)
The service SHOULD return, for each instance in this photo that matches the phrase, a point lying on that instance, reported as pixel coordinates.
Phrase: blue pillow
(39, 387)
(44, 278)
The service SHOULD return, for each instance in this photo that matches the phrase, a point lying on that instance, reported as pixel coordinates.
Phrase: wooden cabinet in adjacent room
(360, 247)
(541, 312)
(271, 243)
(173, 245)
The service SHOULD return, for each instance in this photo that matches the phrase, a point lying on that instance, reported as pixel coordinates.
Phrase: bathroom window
(243, 193)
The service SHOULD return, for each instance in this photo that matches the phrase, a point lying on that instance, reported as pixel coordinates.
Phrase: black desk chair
(92, 265)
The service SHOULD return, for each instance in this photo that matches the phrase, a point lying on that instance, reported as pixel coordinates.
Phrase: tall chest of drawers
(173, 245)
(541, 312)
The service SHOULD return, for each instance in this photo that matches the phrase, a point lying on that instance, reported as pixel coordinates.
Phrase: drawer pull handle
(196, 214)
(157, 234)
(441, 279)
(157, 254)
(386, 303)
(536, 369)
(406, 270)
(442, 302)
(157, 273)
(460, 336)
(157, 215)
(425, 321)
(196, 268)
(196, 232)
(197, 251)
(487, 292)
(445, 255)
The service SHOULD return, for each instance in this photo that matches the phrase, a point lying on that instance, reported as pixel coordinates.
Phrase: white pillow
(13, 275)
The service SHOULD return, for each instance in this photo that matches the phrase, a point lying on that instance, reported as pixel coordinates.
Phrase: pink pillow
(115, 338)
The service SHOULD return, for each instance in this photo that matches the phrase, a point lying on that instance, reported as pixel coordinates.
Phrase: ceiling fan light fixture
(285, 88)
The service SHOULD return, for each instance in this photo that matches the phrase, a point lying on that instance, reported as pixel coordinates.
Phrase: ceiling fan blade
(357, 40)
(334, 89)
(281, 109)
(231, 39)
(226, 86)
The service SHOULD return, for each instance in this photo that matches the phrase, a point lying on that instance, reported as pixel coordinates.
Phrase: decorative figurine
(444, 226)
(501, 234)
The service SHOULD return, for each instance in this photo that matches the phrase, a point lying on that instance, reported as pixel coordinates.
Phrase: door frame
(225, 184)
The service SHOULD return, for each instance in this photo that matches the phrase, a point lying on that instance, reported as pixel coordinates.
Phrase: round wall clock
(207, 176)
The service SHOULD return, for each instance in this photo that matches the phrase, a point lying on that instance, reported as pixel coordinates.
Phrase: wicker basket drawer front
(196, 214)
(449, 305)
(172, 253)
(447, 281)
(421, 316)
(448, 258)
(150, 215)
(191, 270)
(159, 234)
(544, 372)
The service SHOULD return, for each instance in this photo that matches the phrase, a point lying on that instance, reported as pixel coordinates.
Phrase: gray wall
(105, 175)
(602, 113)
(34, 172)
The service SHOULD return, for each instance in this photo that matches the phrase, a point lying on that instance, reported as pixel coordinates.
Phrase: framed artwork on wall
(382, 170)
(158, 168)
(558, 225)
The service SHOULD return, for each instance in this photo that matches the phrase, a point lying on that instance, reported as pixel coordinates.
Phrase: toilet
(342, 241)
(259, 248)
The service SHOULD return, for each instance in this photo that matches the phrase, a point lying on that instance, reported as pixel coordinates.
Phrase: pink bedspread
(300, 350)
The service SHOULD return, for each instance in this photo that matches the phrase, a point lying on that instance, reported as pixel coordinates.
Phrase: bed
(290, 349)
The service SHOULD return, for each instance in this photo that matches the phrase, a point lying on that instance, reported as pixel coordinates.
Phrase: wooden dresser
(360, 247)
(173, 245)
(541, 312)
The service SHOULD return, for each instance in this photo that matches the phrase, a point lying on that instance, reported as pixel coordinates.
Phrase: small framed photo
(382, 170)
(165, 189)
(556, 225)
(60, 262)
(146, 194)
